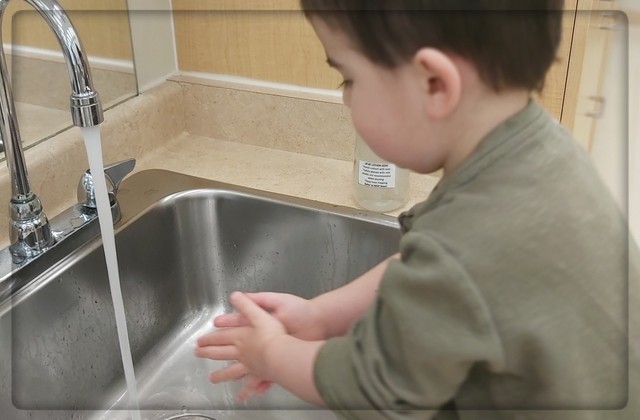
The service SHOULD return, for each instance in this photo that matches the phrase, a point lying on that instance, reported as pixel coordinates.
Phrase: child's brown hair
(512, 43)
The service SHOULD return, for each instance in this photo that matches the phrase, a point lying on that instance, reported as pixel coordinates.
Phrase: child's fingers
(253, 386)
(268, 300)
(255, 314)
(230, 373)
(230, 320)
(217, 352)
(218, 338)
(263, 387)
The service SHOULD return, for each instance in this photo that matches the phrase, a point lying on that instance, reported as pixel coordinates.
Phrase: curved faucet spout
(86, 109)
(30, 231)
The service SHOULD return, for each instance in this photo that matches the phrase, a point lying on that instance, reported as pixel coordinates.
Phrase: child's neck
(477, 116)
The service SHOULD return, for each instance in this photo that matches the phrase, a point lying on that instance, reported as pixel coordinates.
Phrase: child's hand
(247, 343)
(253, 386)
(298, 315)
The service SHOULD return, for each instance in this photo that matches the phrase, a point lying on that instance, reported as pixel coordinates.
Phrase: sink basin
(184, 244)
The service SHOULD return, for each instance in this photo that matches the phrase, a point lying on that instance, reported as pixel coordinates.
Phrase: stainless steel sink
(184, 244)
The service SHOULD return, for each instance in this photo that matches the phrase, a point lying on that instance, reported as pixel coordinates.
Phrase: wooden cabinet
(265, 40)
(271, 40)
(585, 100)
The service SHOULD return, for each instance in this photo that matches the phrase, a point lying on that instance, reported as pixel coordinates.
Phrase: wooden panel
(103, 27)
(271, 40)
(586, 69)
(243, 5)
(276, 45)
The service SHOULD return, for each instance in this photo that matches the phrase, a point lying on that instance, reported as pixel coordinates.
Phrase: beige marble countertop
(296, 174)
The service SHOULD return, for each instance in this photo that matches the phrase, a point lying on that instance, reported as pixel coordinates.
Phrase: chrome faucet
(30, 231)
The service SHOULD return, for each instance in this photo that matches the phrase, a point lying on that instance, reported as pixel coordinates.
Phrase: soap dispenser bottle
(378, 185)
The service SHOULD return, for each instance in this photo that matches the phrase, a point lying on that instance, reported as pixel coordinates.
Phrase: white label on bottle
(379, 175)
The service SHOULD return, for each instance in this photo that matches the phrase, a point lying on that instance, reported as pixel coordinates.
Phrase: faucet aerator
(86, 111)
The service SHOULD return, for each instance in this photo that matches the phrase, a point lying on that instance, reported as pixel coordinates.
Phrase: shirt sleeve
(410, 353)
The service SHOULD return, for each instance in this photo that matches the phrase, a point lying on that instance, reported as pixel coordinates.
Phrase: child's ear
(441, 81)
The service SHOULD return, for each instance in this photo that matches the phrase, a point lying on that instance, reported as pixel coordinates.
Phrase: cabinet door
(585, 99)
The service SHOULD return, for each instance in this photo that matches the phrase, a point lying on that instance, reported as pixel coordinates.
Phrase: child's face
(387, 106)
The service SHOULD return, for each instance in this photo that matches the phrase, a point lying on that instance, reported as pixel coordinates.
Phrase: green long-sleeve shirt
(510, 297)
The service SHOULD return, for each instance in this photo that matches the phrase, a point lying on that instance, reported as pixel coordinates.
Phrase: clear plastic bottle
(377, 184)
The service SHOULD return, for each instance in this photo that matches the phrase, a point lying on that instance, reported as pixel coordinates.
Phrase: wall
(102, 25)
(271, 40)
(266, 40)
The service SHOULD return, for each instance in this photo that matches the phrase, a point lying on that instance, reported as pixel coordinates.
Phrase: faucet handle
(113, 173)
(117, 171)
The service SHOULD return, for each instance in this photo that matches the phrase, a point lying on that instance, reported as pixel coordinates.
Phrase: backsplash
(310, 125)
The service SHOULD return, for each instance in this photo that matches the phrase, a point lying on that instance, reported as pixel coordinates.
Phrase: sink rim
(137, 195)
(172, 183)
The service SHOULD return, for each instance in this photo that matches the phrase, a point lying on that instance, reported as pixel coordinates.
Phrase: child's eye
(345, 84)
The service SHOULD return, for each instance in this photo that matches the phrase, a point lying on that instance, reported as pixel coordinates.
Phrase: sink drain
(191, 416)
